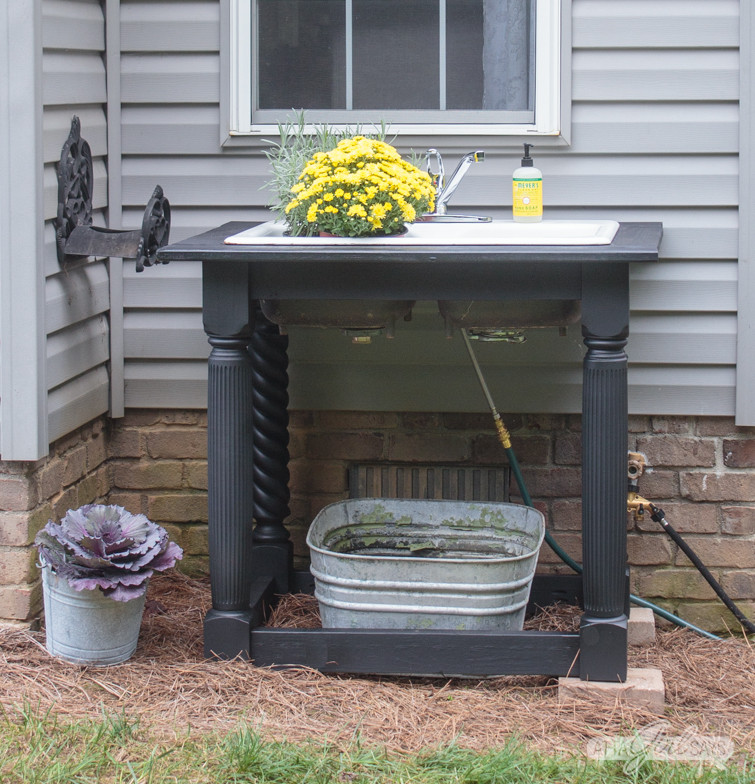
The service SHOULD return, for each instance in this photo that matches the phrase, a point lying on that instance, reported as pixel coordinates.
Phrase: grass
(43, 748)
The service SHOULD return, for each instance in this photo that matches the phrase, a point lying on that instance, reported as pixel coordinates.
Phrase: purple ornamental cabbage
(99, 546)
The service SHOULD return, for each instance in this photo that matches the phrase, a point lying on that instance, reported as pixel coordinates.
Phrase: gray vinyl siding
(745, 413)
(23, 435)
(654, 136)
(77, 297)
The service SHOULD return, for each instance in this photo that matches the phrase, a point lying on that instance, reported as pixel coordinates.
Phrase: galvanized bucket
(85, 627)
(424, 564)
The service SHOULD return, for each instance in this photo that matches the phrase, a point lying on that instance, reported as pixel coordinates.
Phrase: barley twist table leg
(272, 553)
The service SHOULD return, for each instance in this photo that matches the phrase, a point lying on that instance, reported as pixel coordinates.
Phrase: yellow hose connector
(503, 434)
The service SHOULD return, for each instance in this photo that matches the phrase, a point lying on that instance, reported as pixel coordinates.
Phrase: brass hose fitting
(503, 434)
(637, 505)
(636, 465)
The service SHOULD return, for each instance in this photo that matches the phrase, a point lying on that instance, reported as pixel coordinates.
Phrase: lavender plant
(299, 141)
(106, 547)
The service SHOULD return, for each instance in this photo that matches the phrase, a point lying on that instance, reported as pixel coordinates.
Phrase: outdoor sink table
(248, 442)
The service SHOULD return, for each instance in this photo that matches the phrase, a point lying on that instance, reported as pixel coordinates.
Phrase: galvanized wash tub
(424, 564)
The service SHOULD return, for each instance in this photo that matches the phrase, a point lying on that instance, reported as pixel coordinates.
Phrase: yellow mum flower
(382, 190)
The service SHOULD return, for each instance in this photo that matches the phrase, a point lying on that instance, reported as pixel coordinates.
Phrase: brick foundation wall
(158, 466)
(701, 472)
(74, 473)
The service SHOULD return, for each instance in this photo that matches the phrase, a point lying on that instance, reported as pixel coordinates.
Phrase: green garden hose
(505, 439)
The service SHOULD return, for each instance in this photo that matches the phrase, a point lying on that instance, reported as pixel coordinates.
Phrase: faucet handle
(438, 177)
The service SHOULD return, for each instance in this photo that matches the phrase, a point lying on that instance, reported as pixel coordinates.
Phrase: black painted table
(248, 442)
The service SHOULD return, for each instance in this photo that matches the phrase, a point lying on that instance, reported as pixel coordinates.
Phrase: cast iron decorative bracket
(74, 233)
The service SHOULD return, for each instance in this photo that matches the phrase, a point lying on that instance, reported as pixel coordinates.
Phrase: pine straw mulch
(710, 688)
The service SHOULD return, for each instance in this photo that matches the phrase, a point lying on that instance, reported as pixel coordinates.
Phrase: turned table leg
(603, 630)
(229, 459)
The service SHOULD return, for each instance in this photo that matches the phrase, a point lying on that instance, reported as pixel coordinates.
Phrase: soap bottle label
(528, 196)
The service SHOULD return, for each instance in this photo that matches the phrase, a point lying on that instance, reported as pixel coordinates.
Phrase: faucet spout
(443, 190)
(438, 177)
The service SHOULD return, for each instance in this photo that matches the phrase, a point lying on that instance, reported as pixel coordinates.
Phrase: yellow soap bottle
(527, 190)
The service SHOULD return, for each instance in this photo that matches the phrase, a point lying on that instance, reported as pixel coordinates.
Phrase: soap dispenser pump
(527, 190)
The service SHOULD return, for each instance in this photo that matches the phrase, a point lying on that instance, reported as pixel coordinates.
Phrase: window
(474, 66)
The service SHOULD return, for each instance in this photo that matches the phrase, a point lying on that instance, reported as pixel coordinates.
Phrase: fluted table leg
(229, 458)
(229, 426)
(603, 631)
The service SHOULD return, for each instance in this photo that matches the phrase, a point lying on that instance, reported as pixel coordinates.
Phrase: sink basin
(499, 232)
(348, 314)
(474, 316)
(496, 232)
(484, 315)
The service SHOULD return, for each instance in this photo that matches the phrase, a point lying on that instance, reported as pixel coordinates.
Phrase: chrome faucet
(443, 190)
(438, 177)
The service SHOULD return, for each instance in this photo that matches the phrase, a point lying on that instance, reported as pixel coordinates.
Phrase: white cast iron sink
(500, 232)
(496, 232)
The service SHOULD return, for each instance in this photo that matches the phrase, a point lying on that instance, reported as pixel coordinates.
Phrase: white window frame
(548, 119)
